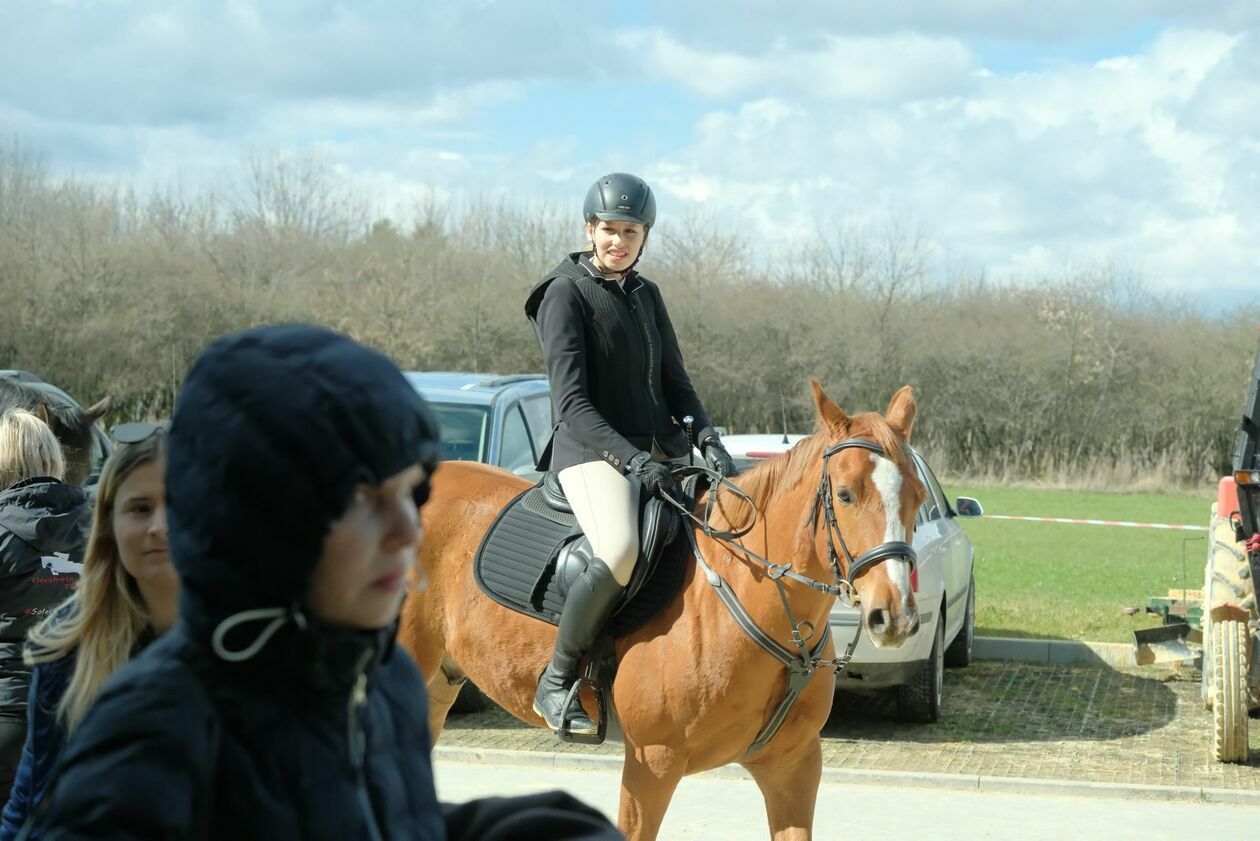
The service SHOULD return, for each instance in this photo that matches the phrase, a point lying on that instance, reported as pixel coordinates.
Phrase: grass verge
(1074, 581)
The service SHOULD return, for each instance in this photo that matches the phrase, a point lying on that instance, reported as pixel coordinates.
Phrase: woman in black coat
(44, 526)
(278, 707)
(620, 395)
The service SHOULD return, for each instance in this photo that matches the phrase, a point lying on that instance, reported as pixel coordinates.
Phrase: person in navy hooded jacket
(278, 706)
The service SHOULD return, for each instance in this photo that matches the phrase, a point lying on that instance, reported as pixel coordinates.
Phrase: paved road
(1001, 719)
(731, 809)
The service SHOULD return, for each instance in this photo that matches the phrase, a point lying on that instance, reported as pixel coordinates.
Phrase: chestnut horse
(692, 690)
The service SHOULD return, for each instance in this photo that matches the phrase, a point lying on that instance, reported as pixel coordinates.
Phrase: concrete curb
(856, 776)
(1064, 652)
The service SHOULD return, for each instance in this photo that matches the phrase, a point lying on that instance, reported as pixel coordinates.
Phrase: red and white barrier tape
(1096, 522)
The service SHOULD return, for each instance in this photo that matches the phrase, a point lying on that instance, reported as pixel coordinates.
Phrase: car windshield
(465, 430)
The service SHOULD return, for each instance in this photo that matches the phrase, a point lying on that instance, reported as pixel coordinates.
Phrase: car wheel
(470, 699)
(959, 652)
(920, 699)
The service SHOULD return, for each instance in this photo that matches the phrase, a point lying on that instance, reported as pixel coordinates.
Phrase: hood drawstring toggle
(278, 616)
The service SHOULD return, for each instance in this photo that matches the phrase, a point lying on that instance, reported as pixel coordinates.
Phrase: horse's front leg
(443, 687)
(648, 780)
(789, 784)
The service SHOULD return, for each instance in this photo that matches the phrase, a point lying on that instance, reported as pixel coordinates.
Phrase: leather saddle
(535, 549)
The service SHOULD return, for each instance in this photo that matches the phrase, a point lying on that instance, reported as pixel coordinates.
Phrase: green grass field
(1074, 581)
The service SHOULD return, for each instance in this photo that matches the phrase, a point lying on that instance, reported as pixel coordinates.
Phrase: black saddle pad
(515, 565)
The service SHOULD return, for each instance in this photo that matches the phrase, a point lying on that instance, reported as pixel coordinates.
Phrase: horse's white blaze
(887, 479)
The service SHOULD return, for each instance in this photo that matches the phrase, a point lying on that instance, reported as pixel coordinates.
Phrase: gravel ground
(1000, 719)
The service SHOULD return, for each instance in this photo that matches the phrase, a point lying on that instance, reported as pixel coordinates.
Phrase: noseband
(891, 549)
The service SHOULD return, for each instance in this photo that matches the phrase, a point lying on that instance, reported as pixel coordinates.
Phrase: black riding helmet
(620, 196)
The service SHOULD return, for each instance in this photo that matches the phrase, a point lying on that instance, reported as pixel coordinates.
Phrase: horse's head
(874, 493)
(71, 424)
(73, 428)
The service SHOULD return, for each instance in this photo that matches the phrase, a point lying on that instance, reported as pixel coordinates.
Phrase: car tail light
(761, 454)
(914, 579)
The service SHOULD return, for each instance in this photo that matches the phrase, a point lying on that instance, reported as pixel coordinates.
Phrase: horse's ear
(901, 411)
(40, 410)
(98, 409)
(835, 420)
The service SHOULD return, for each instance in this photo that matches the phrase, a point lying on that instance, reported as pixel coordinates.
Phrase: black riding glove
(718, 459)
(654, 476)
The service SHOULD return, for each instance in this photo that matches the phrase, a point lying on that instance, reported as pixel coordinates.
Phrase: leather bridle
(805, 660)
(891, 549)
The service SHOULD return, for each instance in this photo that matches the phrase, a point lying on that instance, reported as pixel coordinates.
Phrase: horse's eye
(845, 496)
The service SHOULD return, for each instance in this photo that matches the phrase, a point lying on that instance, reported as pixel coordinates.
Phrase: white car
(944, 589)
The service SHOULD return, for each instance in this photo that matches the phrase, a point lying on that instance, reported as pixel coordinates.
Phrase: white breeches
(606, 504)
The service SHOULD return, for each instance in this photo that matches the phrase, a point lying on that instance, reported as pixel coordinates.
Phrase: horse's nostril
(878, 621)
(914, 624)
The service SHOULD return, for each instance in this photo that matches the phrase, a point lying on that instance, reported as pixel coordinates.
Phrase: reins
(804, 661)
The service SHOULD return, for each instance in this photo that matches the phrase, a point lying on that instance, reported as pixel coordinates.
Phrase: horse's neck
(781, 534)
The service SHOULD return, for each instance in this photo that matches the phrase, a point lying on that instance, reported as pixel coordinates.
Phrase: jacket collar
(306, 662)
(48, 514)
(631, 278)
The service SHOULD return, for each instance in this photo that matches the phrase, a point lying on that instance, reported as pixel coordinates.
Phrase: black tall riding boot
(590, 600)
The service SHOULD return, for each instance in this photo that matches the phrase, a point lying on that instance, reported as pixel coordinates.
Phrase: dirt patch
(1001, 719)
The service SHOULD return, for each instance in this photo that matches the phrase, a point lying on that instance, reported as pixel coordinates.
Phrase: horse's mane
(800, 464)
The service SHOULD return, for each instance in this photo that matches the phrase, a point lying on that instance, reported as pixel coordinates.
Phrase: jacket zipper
(356, 740)
(647, 361)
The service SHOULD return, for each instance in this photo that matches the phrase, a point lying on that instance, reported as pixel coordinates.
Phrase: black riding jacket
(618, 383)
(44, 525)
(319, 732)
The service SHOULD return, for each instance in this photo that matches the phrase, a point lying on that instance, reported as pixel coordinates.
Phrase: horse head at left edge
(70, 423)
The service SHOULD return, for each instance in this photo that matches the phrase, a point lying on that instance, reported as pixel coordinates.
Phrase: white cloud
(746, 25)
(209, 62)
(839, 68)
(1133, 162)
(1148, 157)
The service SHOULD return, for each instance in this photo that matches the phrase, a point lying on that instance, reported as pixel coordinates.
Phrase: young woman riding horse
(618, 391)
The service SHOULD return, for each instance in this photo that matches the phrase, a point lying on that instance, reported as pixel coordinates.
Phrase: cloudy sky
(1024, 139)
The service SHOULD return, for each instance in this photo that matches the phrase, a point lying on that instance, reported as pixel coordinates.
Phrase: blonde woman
(128, 593)
(43, 526)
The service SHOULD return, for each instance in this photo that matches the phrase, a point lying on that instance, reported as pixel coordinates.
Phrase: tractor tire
(1207, 677)
(1229, 691)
